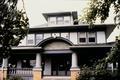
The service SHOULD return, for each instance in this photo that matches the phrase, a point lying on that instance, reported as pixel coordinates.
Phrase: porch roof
(26, 49)
(104, 45)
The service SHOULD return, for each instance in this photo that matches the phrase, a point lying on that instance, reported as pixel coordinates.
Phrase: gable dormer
(60, 18)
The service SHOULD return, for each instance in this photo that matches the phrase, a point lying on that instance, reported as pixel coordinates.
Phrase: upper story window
(30, 39)
(86, 37)
(65, 35)
(91, 37)
(82, 37)
(39, 38)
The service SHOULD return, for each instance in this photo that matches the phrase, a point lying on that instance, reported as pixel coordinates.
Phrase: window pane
(59, 20)
(82, 37)
(52, 20)
(91, 34)
(65, 35)
(67, 19)
(91, 37)
(39, 38)
(30, 39)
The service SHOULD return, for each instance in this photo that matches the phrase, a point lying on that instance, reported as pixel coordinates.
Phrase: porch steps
(56, 78)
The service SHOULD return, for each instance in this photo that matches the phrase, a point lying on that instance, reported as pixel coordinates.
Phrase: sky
(35, 8)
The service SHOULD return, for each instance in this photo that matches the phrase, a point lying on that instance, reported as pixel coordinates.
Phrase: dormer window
(52, 20)
(67, 20)
(60, 20)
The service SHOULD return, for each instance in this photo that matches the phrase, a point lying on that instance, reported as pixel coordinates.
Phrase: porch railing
(25, 73)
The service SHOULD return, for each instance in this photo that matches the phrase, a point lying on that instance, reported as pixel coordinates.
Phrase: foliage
(92, 74)
(99, 9)
(99, 70)
(13, 25)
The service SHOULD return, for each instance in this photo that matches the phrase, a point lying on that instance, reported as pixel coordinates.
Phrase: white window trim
(87, 38)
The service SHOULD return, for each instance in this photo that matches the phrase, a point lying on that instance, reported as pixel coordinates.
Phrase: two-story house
(59, 48)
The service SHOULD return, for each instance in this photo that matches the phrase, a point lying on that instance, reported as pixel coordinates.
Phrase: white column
(38, 60)
(74, 60)
(5, 63)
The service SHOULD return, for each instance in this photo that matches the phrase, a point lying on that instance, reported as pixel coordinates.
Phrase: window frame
(31, 39)
(59, 22)
(79, 33)
(39, 40)
(87, 38)
(52, 22)
(91, 37)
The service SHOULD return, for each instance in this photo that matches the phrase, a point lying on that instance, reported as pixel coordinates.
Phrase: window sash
(30, 39)
(52, 20)
(60, 20)
(86, 37)
(39, 38)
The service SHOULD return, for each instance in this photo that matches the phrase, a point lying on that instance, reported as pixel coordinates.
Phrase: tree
(100, 9)
(13, 26)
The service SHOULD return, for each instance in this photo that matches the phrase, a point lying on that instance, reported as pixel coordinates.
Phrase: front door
(61, 65)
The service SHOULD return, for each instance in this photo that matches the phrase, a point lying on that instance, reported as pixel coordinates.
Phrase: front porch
(46, 66)
(35, 63)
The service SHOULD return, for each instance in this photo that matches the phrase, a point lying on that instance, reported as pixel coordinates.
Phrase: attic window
(60, 20)
(52, 20)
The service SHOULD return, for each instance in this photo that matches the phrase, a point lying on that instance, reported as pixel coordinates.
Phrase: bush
(92, 74)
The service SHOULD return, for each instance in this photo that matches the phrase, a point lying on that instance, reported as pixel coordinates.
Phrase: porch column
(74, 67)
(37, 71)
(3, 71)
(5, 63)
(38, 60)
(74, 60)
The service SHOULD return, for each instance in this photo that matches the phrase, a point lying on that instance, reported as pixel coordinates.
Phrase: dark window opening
(92, 39)
(82, 39)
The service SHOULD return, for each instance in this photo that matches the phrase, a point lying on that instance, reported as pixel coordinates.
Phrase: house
(58, 49)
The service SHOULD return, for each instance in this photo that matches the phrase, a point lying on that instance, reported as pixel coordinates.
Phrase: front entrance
(61, 65)
(57, 65)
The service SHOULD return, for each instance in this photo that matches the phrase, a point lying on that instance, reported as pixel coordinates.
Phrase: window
(86, 37)
(39, 38)
(67, 20)
(65, 35)
(52, 20)
(60, 20)
(30, 39)
(82, 37)
(91, 37)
